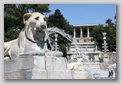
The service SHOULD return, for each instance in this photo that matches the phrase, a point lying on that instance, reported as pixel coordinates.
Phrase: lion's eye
(37, 18)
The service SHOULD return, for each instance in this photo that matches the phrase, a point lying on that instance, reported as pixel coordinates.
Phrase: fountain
(50, 65)
(32, 59)
(55, 31)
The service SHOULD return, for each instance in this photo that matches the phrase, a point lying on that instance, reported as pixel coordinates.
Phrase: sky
(79, 14)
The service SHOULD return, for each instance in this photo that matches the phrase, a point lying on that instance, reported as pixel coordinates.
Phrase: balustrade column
(81, 32)
(74, 33)
(87, 31)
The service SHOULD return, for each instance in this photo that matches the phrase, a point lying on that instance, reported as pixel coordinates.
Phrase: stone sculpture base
(37, 67)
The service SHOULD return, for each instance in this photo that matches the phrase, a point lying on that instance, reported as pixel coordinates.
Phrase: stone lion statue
(31, 39)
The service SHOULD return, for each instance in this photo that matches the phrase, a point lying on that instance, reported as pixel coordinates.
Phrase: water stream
(54, 30)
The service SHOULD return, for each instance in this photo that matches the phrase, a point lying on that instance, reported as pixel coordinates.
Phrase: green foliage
(63, 49)
(11, 34)
(110, 29)
(97, 34)
(109, 23)
(42, 8)
(13, 17)
(57, 20)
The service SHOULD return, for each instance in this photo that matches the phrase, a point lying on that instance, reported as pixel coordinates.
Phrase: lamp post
(104, 38)
(106, 60)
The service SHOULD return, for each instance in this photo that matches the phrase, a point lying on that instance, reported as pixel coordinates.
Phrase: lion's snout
(43, 26)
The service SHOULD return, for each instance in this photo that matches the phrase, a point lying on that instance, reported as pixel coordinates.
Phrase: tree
(42, 8)
(97, 35)
(57, 20)
(13, 15)
(110, 29)
(109, 23)
(10, 22)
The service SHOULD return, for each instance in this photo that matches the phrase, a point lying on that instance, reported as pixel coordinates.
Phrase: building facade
(83, 44)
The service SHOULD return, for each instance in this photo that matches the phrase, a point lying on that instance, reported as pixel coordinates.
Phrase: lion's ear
(26, 17)
(45, 18)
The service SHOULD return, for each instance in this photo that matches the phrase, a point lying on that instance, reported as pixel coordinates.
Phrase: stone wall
(37, 67)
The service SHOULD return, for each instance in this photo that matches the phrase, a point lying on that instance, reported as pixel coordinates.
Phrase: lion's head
(35, 24)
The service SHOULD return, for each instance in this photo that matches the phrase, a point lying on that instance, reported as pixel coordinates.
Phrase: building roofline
(85, 25)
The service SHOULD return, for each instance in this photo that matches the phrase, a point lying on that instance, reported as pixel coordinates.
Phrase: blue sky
(85, 13)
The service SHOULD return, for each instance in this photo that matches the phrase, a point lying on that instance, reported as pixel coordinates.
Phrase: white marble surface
(37, 67)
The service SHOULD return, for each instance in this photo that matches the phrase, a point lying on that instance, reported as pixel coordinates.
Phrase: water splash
(54, 30)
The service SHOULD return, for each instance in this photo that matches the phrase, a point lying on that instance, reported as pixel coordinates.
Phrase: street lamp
(105, 48)
(104, 33)
(104, 38)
